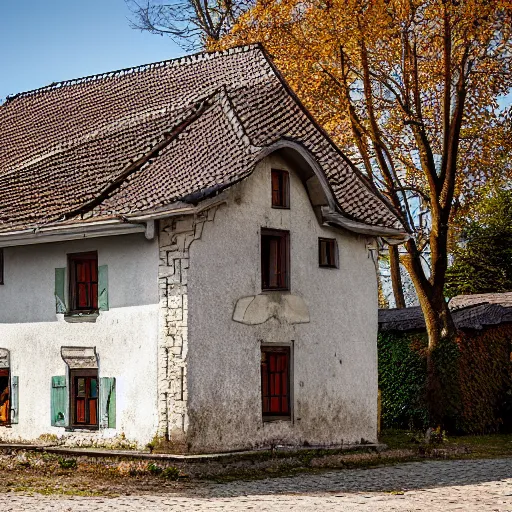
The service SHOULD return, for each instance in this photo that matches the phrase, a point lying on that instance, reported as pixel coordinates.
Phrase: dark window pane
(80, 387)
(274, 259)
(94, 388)
(280, 189)
(327, 256)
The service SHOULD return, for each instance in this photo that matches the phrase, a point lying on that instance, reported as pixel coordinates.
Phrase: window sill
(85, 430)
(76, 317)
(268, 419)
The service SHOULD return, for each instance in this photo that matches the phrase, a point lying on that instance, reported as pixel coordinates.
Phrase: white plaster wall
(335, 355)
(125, 336)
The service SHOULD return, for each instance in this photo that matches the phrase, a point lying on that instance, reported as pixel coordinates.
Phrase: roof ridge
(186, 59)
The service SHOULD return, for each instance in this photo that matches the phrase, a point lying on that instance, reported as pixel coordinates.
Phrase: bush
(475, 370)
(67, 463)
(154, 469)
(402, 374)
(171, 473)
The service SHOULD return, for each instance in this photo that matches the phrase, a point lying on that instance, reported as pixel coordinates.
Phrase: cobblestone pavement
(470, 485)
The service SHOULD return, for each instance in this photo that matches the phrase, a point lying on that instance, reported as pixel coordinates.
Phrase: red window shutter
(84, 281)
(80, 410)
(275, 381)
(93, 407)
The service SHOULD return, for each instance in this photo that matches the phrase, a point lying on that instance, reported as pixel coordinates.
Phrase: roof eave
(391, 235)
(66, 232)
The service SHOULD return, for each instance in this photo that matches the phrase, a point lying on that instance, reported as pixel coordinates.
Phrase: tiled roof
(139, 139)
(468, 312)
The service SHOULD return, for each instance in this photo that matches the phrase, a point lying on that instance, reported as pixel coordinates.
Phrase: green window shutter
(59, 402)
(103, 288)
(14, 400)
(60, 297)
(107, 402)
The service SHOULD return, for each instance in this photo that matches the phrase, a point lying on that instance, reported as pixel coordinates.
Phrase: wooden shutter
(14, 400)
(107, 402)
(275, 381)
(60, 298)
(59, 402)
(103, 288)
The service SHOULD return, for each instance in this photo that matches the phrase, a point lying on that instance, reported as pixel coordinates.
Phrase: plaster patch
(258, 309)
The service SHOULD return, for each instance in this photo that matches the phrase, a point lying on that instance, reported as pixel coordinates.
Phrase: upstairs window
(84, 398)
(327, 253)
(275, 259)
(280, 189)
(275, 382)
(83, 282)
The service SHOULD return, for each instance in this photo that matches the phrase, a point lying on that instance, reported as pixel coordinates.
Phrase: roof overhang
(316, 183)
(66, 232)
(321, 195)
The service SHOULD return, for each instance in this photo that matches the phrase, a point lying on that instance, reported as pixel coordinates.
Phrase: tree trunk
(440, 330)
(396, 278)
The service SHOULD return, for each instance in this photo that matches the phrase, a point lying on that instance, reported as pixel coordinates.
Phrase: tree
(190, 23)
(407, 88)
(483, 263)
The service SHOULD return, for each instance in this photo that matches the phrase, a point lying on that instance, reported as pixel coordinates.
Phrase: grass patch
(484, 446)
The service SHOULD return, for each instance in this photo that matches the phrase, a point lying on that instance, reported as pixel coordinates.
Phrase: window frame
(1, 266)
(333, 243)
(283, 189)
(284, 260)
(87, 373)
(73, 259)
(273, 349)
(7, 422)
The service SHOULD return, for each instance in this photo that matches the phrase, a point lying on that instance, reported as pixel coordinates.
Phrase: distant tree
(483, 261)
(189, 23)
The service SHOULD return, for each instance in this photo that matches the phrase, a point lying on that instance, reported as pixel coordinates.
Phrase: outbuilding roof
(136, 140)
(468, 312)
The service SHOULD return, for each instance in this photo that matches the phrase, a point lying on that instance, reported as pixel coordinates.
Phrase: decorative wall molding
(175, 238)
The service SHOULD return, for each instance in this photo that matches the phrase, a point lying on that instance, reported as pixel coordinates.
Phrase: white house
(185, 255)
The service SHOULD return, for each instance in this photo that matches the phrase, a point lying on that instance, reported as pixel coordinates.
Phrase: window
(275, 259)
(327, 253)
(5, 397)
(84, 398)
(275, 382)
(83, 282)
(280, 189)
(1, 266)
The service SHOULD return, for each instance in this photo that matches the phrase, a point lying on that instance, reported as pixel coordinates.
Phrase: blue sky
(44, 41)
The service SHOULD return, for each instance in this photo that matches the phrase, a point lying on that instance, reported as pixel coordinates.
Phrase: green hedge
(402, 371)
(475, 370)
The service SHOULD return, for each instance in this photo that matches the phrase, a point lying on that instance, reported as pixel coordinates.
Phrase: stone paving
(470, 485)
